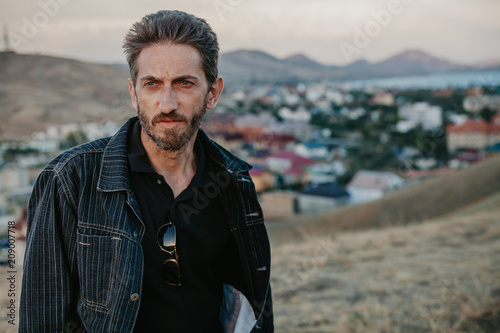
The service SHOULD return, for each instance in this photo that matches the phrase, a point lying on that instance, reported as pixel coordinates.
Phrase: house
(455, 118)
(443, 93)
(300, 115)
(323, 173)
(289, 167)
(299, 130)
(469, 156)
(476, 103)
(14, 178)
(475, 91)
(334, 96)
(313, 149)
(371, 185)
(278, 204)
(383, 98)
(268, 140)
(321, 198)
(473, 134)
(264, 119)
(262, 179)
(424, 114)
(315, 93)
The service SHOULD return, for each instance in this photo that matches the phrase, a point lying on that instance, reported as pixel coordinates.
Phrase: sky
(333, 32)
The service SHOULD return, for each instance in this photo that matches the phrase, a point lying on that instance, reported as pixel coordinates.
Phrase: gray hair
(176, 27)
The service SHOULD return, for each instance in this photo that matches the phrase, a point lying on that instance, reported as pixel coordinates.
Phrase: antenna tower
(6, 41)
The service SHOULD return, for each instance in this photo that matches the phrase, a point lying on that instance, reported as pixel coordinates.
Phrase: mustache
(172, 116)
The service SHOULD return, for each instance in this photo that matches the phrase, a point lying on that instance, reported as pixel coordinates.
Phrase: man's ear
(214, 93)
(133, 95)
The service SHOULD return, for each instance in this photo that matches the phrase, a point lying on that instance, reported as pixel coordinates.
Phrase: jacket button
(135, 234)
(134, 297)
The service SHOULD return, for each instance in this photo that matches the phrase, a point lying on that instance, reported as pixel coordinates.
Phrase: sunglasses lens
(170, 268)
(166, 236)
(170, 272)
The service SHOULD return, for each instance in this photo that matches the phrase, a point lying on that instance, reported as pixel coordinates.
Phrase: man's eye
(186, 83)
(149, 83)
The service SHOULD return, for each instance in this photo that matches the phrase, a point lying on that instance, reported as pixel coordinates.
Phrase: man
(156, 229)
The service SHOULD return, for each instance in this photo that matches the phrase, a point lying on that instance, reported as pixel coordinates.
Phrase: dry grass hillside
(438, 276)
(423, 259)
(37, 91)
(433, 198)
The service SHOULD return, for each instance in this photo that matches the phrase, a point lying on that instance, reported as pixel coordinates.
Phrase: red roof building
(474, 133)
(291, 167)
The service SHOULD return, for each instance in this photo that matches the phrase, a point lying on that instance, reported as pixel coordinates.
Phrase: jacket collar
(221, 156)
(114, 169)
(114, 174)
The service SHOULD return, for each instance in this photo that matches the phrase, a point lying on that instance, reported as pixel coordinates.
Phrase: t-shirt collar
(139, 161)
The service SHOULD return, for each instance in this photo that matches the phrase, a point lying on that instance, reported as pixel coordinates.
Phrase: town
(314, 146)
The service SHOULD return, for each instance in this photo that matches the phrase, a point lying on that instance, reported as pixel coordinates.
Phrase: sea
(467, 79)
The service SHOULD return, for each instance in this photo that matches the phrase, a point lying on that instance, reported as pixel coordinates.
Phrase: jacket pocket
(98, 258)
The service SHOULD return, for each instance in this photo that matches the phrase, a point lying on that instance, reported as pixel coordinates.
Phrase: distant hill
(37, 91)
(489, 63)
(257, 67)
(411, 62)
(302, 61)
(446, 195)
(247, 66)
(418, 60)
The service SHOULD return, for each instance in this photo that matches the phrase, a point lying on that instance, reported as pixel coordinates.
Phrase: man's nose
(168, 100)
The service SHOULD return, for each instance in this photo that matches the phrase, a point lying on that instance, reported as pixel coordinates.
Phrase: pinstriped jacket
(83, 265)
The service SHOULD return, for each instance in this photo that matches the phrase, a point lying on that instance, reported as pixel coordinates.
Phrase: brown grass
(441, 276)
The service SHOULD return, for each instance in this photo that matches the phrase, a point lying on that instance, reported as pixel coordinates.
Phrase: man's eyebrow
(176, 79)
(148, 77)
(185, 77)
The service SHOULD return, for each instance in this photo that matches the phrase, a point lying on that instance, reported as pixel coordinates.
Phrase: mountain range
(248, 66)
(38, 90)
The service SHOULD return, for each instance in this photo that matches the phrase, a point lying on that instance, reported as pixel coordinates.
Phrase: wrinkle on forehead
(169, 60)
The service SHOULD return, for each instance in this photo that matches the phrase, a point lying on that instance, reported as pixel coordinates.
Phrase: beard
(171, 139)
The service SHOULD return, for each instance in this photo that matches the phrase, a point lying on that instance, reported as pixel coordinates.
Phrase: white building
(321, 198)
(299, 115)
(477, 103)
(334, 96)
(371, 185)
(315, 92)
(424, 114)
(314, 150)
(264, 119)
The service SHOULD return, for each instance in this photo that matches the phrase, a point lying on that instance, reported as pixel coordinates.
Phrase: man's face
(171, 94)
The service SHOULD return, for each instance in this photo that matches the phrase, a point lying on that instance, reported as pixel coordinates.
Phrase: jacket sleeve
(49, 287)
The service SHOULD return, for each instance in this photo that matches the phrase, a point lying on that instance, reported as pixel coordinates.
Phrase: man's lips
(169, 122)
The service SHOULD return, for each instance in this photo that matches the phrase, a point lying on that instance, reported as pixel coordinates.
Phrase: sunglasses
(170, 268)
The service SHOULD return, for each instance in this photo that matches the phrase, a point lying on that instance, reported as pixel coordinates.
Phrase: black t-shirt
(206, 249)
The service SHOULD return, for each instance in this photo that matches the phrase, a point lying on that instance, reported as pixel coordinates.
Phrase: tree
(74, 138)
(486, 114)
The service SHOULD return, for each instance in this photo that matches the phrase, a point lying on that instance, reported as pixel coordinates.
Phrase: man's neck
(177, 167)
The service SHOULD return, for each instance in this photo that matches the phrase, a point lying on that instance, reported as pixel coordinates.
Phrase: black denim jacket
(84, 263)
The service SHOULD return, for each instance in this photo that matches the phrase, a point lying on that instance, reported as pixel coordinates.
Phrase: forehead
(167, 60)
